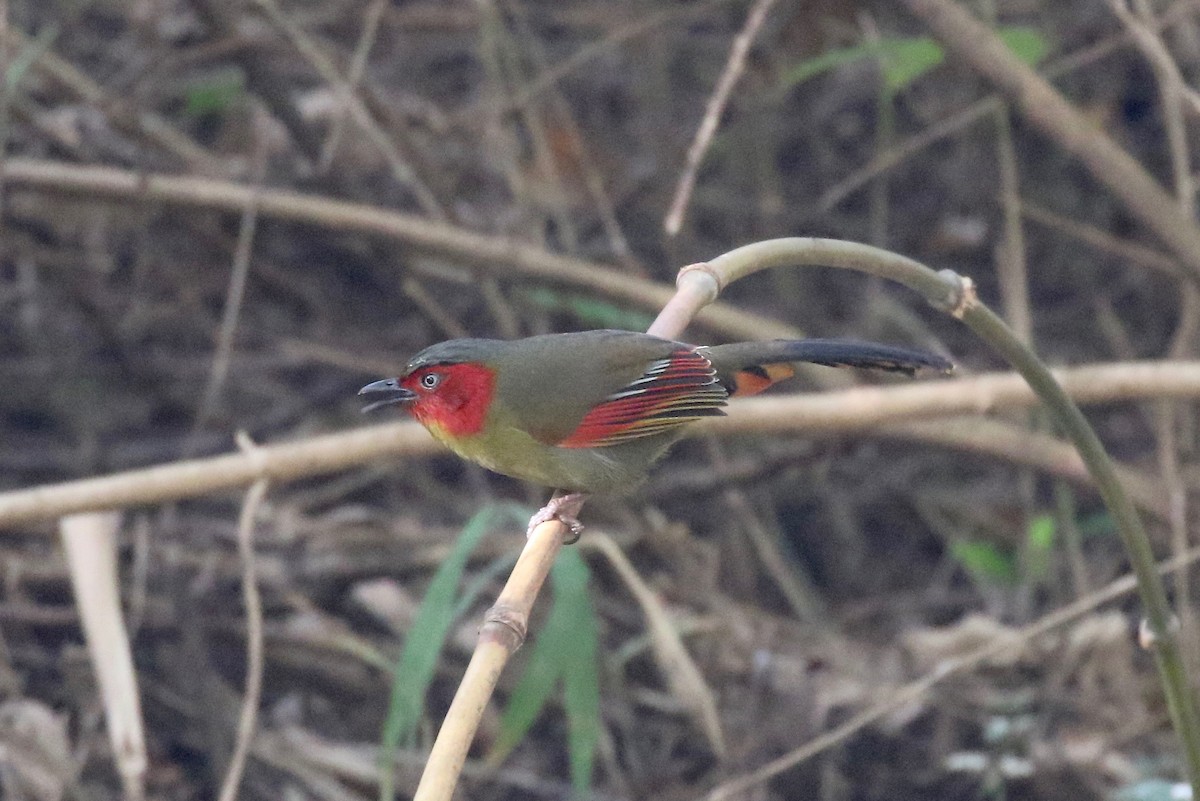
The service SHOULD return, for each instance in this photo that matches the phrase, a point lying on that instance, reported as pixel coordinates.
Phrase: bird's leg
(565, 509)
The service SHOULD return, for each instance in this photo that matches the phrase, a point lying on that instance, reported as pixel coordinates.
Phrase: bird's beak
(388, 391)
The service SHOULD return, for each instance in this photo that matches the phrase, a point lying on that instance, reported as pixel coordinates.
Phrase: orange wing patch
(753, 380)
(678, 389)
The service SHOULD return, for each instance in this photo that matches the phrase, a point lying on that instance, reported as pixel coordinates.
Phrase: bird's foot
(565, 509)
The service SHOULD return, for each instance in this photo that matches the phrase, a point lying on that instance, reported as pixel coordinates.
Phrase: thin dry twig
(1172, 90)
(734, 66)
(1041, 105)
(402, 171)
(581, 57)
(1013, 273)
(683, 677)
(1012, 268)
(224, 22)
(1007, 442)
(795, 587)
(1178, 97)
(148, 125)
(906, 149)
(980, 110)
(507, 320)
(1173, 94)
(248, 716)
(573, 137)
(915, 691)
(1105, 242)
(494, 254)
(433, 308)
(236, 292)
(358, 65)
(504, 58)
(196, 477)
(878, 201)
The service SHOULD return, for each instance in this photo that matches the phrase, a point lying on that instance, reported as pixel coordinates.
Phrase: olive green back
(543, 389)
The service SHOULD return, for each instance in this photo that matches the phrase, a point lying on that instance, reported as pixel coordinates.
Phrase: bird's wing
(674, 390)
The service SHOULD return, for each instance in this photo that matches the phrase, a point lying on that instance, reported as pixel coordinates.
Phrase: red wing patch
(678, 389)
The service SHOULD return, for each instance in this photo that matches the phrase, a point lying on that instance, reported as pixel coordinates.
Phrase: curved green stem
(955, 295)
(1161, 622)
(943, 290)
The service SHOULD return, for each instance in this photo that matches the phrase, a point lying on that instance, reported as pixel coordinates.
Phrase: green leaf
(826, 62)
(214, 94)
(533, 690)
(591, 311)
(985, 562)
(566, 647)
(1041, 534)
(425, 639)
(581, 680)
(1039, 546)
(1027, 44)
(492, 571)
(906, 60)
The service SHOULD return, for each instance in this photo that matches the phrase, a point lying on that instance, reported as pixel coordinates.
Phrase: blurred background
(811, 576)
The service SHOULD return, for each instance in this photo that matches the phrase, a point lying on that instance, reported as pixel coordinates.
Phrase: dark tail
(747, 368)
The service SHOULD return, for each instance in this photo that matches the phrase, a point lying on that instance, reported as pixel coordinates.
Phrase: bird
(592, 411)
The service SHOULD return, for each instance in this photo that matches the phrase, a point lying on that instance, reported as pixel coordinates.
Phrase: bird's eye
(430, 380)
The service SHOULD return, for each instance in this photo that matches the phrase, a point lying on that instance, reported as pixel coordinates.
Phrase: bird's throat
(460, 407)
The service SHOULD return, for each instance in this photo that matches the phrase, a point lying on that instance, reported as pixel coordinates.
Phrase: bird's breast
(513, 452)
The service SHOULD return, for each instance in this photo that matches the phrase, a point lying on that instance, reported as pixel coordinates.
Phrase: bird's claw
(565, 509)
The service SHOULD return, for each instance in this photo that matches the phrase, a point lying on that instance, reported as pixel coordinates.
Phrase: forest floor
(889, 584)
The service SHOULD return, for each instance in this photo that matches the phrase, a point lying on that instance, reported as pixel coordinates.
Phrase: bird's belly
(515, 453)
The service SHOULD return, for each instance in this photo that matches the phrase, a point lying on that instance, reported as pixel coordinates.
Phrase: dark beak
(386, 392)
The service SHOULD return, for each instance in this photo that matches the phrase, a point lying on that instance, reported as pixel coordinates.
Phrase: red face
(454, 397)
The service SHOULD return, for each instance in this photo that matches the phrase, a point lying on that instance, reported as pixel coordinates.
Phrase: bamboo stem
(955, 295)
(503, 632)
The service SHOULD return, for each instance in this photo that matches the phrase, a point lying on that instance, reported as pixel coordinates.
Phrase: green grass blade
(987, 563)
(566, 647)
(905, 59)
(1040, 537)
(825, 62)
(589, 311)
(1027, 44)
(492, 571)
(533, 690)
(581, 676)
(215, 94)
(425, 639)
